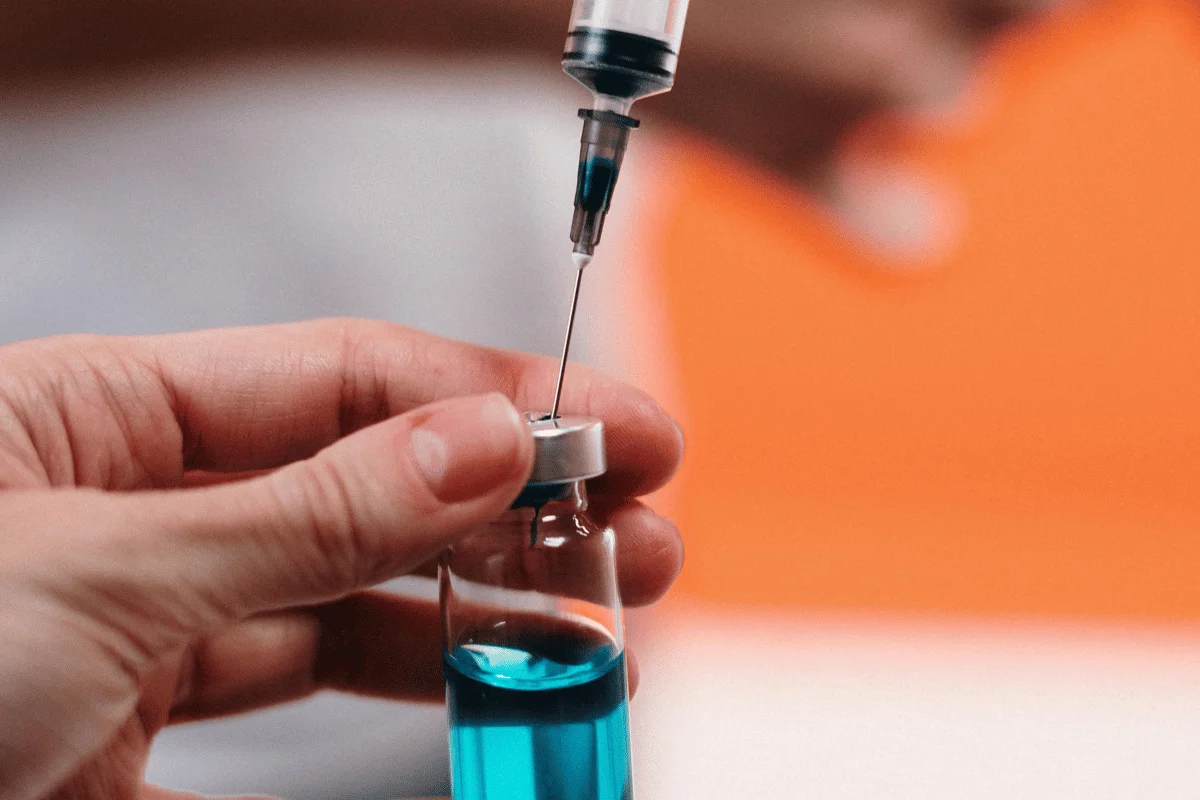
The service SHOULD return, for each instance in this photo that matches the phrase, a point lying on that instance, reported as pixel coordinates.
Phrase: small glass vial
(534, 647)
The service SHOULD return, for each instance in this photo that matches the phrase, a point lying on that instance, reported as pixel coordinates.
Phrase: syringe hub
(602, 149)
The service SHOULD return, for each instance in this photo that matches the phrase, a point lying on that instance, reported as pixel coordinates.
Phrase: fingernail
(680, 434)
(466, 448)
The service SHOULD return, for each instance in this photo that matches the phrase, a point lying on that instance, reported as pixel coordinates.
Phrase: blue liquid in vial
(524, 727)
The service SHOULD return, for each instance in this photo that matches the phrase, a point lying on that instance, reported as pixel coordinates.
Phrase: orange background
(1014, 429)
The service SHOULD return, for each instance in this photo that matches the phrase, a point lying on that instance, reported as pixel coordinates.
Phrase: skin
(189, 524)
(783, 81)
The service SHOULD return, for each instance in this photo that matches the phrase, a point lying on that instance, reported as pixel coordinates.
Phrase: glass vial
(534, 648)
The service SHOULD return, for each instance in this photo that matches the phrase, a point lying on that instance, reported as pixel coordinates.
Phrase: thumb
(371, 506)
(97, 588)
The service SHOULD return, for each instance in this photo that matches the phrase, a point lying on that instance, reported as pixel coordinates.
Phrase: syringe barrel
(657, 19)
(625, 49)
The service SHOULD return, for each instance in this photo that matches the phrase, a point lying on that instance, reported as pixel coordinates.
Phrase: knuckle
(340, 547)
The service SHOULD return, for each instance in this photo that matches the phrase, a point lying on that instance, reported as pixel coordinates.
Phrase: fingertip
(662, 570)
(469, 447)
(645, 445)
(650, 554)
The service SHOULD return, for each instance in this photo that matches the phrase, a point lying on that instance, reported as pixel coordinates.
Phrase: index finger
(257, 398)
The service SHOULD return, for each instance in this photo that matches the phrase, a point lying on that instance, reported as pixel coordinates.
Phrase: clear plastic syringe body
(621, 50)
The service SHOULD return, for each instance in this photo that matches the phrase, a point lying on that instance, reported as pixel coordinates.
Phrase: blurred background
(920, 278)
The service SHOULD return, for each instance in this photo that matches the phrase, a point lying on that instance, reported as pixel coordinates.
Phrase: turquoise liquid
(524, 727)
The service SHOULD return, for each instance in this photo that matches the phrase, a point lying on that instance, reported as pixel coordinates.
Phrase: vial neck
(536, 495)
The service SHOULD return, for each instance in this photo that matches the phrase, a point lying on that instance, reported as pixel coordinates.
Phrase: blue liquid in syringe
(524, 727)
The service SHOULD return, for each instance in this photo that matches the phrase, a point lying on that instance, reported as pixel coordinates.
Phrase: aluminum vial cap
(566, 449)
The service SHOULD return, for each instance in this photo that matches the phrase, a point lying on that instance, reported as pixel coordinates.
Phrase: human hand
(783, 81)
(188, 522)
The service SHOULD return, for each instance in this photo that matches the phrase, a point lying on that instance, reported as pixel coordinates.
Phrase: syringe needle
(562, 367)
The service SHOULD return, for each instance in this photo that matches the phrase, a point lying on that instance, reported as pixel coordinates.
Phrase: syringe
(622, 50)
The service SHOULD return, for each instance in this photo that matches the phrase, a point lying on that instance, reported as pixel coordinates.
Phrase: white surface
(738, 707)
(327, 746)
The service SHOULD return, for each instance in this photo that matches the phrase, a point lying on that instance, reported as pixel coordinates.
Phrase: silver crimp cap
(566, 449)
